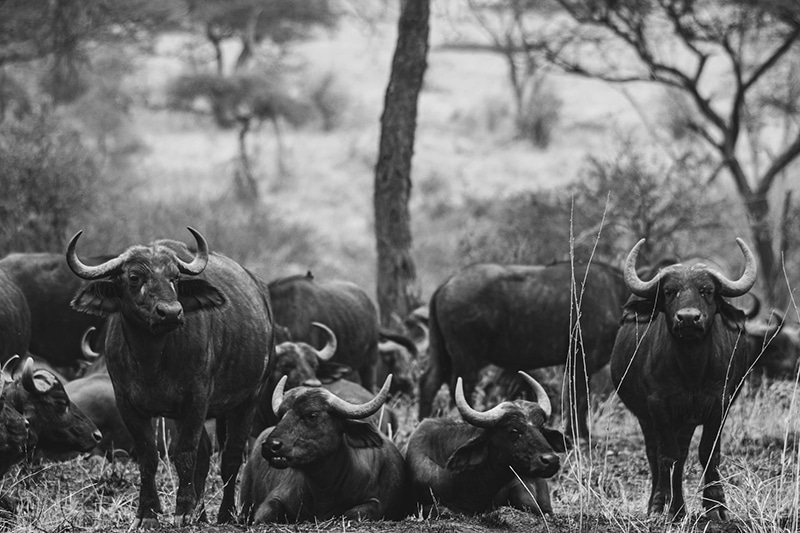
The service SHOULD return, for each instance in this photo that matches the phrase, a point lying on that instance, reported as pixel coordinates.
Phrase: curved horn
(84, 271)
(541, 395)
(645, 289)
(200, 260)
(7, 364)
(277, 395)
(86, 347)
(28, 381)
(486, 419)
(351, 410)
(329, 349)
(739, 287)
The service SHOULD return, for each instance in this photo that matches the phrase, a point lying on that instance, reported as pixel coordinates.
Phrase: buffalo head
(690, 296)
(302, 364)
(514, 434)
(314, 423)
(56, 424)
(152, 286)
(397, 355)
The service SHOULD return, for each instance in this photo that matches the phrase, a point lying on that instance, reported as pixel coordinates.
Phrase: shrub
(48, 178)
(540, 113)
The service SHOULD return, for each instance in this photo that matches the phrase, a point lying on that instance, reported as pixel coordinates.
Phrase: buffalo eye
(134, 279)
(706, 291)
(312, 417)
(514, 434)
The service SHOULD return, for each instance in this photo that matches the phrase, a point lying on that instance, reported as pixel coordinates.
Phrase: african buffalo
(523, 317)
(48, 286)
(678, 362)
(13, 433)
(297, 301)
(471, 466)
(397, 355)
(187, 337)
(302, 364)
(775, 346)
(321, 460)
(15, 319)
(56, 424)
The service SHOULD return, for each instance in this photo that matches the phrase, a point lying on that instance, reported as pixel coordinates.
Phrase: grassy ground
(602, 486)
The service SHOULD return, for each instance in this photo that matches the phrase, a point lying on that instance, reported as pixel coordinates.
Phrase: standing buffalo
(472, 467)
(302, 364)
(678, 362)
(297, 301)
(48, 286)
(15, 319)
(187, 337)
(321, 460)
(523, 317)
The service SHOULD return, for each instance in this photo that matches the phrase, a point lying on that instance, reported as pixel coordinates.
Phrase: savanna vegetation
(258, 123)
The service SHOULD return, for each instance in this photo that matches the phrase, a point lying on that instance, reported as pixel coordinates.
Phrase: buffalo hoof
(145, 523)
(182, 520)
(717, 513)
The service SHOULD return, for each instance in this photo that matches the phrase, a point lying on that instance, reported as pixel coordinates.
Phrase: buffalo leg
(185, 461)
(655, 504)
(677, 505)
(713, 493)
(144, 442)
(237, 428)
(429, 384)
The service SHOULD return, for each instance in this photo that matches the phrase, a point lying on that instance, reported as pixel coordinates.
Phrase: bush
(329, 100)
(48, 178)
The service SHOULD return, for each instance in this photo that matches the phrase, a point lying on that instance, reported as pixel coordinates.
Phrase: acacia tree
(398, 292)
(676, 43)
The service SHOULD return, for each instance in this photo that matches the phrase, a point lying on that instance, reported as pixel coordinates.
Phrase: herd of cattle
(110, 344)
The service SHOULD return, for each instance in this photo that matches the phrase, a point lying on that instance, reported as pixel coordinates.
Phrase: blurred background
(258, 121)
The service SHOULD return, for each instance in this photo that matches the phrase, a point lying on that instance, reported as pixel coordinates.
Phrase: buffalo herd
(119, 351)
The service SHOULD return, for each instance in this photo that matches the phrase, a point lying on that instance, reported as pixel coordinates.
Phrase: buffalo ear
(362, 434)
(471, 454)
(557, 440)
(196, 294)
(733, 317)
(100, 298)
(330, 371)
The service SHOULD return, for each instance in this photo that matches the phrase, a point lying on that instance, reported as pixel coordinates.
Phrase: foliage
(49, 178)
(330, 101)
(540, 113)
(58, 31)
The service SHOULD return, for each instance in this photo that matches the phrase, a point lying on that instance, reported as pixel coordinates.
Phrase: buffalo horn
(277, 395)
(739, 287)
(486, 419)
(329, 349)
(86, 347)
(28, 380)
(541, 395)
(645, 289)
(351, 410)
(81, 270)
(200, 260)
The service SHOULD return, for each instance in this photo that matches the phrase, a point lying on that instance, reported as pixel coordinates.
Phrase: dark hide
(344, 307)
(186, 347)
(774, 346)
(675, 377)
(520, 317)
(468, 469)
(325, 466)
(13, 435)
(48, 286)
(15, 319)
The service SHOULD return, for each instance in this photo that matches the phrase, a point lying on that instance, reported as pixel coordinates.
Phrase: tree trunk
(398, 291)
(771, 274)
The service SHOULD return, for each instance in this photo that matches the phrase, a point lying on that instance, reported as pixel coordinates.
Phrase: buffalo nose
(97, 435)
(275, 445)
(549, 459)
(169, 309)
(688, 316)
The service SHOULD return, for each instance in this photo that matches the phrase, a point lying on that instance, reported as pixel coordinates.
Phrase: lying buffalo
(322, 460)
(471, 466)
(13, 433)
